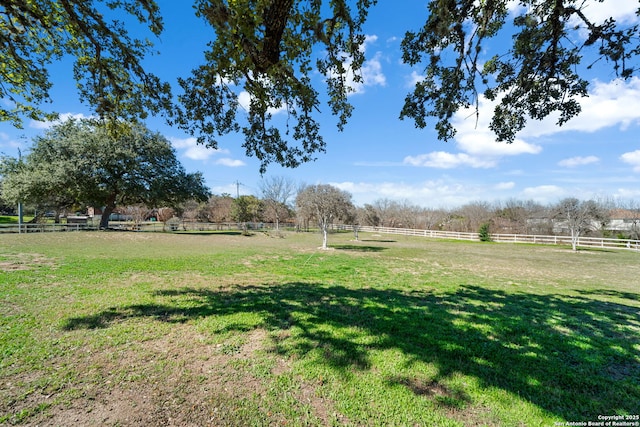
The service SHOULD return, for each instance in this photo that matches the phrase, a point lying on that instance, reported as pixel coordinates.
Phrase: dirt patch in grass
(24, 261)
(181, 379)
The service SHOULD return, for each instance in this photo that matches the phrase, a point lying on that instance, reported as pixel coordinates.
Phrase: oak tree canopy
(272, 51)
(80, 163)
(107, 65)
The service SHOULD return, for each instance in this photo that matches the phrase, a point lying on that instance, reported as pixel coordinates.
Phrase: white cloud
(614, 103)
(476, 142)
(438, 193)
(36, 124)
(199, 152)
(7, 142)
(573, 162)
(244, 99)
(632, 158)
(481, 142)
(474, 136)
(515, 7)
(194, 151)
(598, 11)
(627, 194)
(232, 163)
(544, 193)
(414, 79)
(505, 185)
(371, 70)
(444, 160)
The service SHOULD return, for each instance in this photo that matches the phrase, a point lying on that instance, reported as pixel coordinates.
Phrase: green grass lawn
(9, 219)
(118, 328)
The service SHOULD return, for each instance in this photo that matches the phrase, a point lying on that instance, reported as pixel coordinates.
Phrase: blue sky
(379, 156)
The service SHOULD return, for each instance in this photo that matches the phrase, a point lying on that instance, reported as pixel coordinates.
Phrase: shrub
(483, 233)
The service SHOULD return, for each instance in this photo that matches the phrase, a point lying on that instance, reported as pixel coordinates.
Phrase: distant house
(624, 220)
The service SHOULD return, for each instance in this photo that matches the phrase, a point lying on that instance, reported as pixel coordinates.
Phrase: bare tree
(539, 218)
(219, 208)
(276, 192)
(165, 214)
(408, 214)
(190, 212)
(633, 209)
(386, 211)
(326, 204)
(510, 217)
(368, 215)
(579, 217)
(474, 214)
(137, 213)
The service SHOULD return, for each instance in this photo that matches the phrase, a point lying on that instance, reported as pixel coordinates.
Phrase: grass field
(138, 329)
(7, 219)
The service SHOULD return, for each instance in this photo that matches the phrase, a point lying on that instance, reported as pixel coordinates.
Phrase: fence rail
(134, 226)
(589, 242)
(44, 228)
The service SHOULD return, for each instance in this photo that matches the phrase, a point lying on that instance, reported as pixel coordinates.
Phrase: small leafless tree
(368, 215)
(191, 212)
(633, 216)
(386, 212)
(276, 194)
(325, 204)
(473, 215)
(219, 208)
(137, 213)
(579, 217)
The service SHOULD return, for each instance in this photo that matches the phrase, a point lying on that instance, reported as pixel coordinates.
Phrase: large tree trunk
(107, 211)
(574, 240)
(324, 237)
(324, 225)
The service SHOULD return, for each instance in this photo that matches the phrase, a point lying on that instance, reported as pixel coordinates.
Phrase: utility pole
(238, 184)
(19, 217)
(20, 221)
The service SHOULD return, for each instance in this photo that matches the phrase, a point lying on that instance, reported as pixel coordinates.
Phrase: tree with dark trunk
(247, 209)
(94, 166)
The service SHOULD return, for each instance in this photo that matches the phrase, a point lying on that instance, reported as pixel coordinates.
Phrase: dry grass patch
(25, 261)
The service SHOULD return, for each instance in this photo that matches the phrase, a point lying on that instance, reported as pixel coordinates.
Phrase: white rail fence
(589, 242)
(585, 242)
(125, 226)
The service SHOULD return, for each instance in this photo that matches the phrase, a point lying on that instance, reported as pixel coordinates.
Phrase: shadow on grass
(573, 356)
(207, 233)
(359, 248)
(610, 293)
